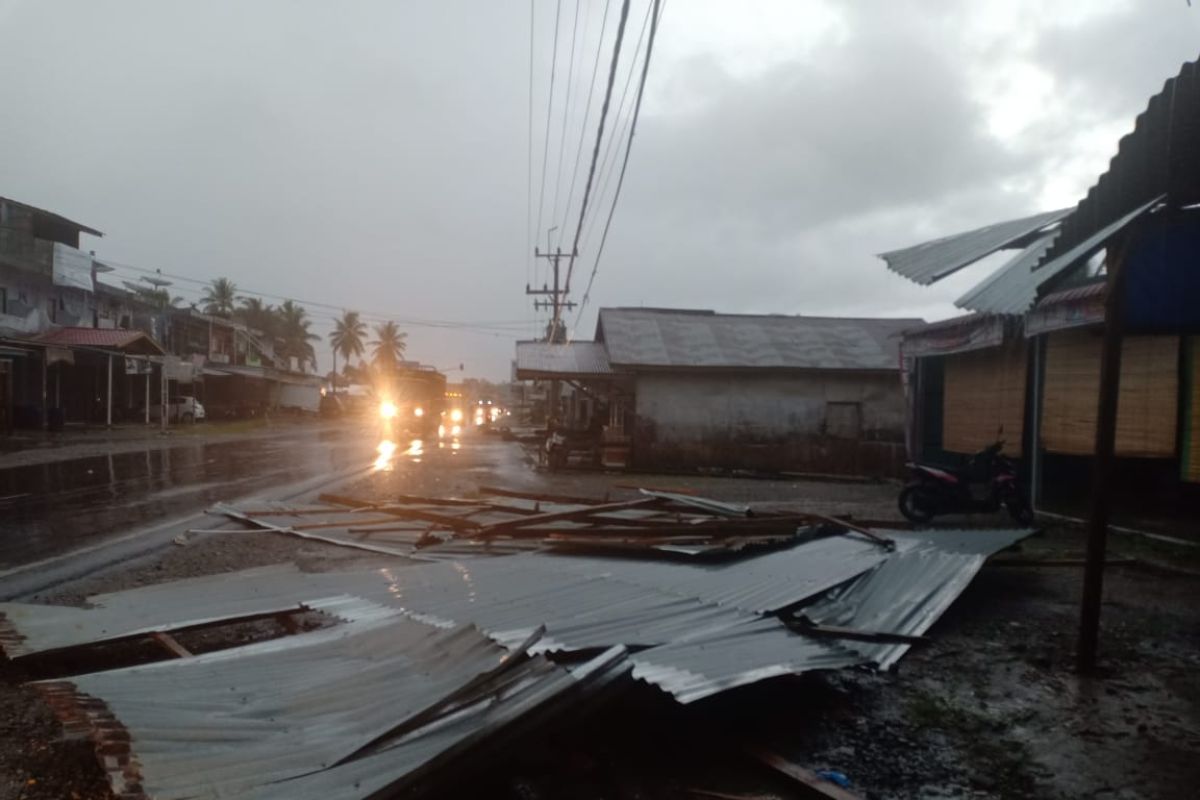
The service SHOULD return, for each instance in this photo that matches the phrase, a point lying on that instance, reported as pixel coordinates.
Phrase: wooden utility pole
(1102, 463)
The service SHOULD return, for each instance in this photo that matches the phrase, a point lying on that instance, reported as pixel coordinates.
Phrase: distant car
(332, 406)
(184, 408)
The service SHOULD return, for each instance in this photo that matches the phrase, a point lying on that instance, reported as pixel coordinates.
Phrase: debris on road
(518, 615)
(438, 527)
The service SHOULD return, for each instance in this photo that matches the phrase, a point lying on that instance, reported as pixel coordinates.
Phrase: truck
(412, 400)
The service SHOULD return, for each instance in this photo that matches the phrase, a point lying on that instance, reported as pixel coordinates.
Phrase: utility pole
(557, 302)
(556, 331)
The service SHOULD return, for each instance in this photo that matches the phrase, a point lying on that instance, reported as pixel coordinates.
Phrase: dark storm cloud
(373, 154)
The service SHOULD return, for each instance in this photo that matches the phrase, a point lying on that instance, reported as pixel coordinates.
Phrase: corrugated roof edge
(57, 217)
(929, 262)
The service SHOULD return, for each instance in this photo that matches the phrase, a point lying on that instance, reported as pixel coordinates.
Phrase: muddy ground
(991, 707)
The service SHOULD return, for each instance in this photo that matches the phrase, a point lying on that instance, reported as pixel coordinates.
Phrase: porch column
(1035, 424)
(108, 399)
(148, 391)
(45, 379)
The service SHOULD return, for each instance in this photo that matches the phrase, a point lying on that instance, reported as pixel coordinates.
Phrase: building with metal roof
(1024, 366)
(551, 360)
(649, 338)
(680, 389)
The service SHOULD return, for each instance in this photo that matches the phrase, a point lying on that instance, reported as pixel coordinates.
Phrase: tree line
(286, 326)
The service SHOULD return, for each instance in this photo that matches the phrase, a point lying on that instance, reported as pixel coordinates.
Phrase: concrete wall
(843, 423)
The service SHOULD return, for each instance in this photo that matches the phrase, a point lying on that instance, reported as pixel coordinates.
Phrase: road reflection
(383, 461)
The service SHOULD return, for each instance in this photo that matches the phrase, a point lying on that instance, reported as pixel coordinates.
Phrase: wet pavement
(50, 509)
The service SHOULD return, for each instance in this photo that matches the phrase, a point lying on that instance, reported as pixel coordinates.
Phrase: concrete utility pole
(557, 332)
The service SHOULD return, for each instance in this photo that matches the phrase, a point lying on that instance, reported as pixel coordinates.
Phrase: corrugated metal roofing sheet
(908, 593)
(103, 338)
(758, 584)
(1012, 288)
(639, 338)
(538, 359)
(929, 262)
(290, 717)
(246, 722)
(745, 653)
(1095, 289)
(1090, 245)
(1161, 156)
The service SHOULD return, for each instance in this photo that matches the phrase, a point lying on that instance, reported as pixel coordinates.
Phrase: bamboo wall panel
(985, 399)
(1146, 406)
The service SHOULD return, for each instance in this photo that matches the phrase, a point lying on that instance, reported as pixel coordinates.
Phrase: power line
(549, 116)
(628, 147)
(587, 109)
(607, 166)
(529, 262)
(587, 189)
(562, 139)
(368, 315)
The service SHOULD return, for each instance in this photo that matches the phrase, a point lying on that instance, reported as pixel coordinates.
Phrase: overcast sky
(374, 155)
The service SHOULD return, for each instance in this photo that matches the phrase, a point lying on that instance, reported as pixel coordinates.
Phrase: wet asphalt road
(47, 510)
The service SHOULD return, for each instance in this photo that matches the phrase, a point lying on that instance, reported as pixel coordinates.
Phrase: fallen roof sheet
(750, 651)
(278, 712)
(908, 593)
(643, 338)
(26, 628)
(762, 583)
(1012, 288)
(929, 262)
(410, 683)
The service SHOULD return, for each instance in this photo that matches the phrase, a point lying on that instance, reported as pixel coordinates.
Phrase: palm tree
(348, 337)
(257, 315)
(389, 346)
(219, 297)
(156, 296)
(294, 337)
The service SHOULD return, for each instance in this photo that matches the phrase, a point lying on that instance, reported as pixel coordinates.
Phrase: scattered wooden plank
(542, 498)
(171, 644)
(403, 512)
(587, 514)
(806, 779)
(882, 541)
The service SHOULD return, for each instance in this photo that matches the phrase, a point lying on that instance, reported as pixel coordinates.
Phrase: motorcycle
(934, 491)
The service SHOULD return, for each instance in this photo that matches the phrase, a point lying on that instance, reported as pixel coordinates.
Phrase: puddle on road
(46, 509)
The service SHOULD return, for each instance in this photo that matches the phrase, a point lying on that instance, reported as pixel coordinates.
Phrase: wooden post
(108, 395)
(1035, 424)
(1102, 464)
(148, 371)
(45, 379)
